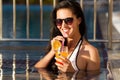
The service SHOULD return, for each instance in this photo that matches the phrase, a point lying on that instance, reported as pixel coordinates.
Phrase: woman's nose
(64, 24)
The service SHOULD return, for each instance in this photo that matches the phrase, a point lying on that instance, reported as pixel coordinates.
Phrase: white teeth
(65, 30)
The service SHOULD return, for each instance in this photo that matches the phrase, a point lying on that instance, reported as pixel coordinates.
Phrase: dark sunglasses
(67, 21)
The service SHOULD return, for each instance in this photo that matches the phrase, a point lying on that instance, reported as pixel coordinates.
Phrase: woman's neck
(72, 42)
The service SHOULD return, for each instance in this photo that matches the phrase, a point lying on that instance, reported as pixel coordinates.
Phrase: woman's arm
(49, 56)
(94, 59)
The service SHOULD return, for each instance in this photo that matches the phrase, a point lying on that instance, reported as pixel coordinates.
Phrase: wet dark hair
(76, 10)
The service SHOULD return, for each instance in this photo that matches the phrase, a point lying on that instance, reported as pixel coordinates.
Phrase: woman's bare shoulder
(89, 47)
(89, 50)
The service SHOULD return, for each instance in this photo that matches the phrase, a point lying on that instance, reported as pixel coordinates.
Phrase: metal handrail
(95, 14)
(5, 39)
(54, 3)
(14, 19)
(81, 4)
(41, 19)
(110, 24)
(0, 19)
(28, 18)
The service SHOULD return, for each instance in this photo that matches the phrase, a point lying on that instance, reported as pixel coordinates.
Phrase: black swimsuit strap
(80, 41)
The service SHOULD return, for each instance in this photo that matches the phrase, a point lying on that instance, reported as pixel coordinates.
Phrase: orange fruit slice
(56, 44)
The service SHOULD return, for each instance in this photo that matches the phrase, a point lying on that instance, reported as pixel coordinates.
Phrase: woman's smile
(65, 32)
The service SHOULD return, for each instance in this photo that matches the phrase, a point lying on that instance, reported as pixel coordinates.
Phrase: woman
(68, 22)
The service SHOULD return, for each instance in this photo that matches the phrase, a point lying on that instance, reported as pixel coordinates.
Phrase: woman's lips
(65, 30)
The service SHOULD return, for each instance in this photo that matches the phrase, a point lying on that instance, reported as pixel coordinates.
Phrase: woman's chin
(65, 36)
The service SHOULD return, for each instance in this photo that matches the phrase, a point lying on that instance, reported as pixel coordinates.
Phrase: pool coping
(114, 63)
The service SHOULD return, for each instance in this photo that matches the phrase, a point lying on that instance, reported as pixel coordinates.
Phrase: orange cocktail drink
(60, 50)
(62, 53)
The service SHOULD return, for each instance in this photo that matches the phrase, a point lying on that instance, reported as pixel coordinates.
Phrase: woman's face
(67, 23)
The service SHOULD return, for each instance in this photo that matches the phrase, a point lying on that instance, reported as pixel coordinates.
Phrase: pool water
(45, 75)
(18, 62)
(18, 58)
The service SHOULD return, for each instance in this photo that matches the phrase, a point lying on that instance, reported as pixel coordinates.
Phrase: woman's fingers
(62, 63)
(62, 60)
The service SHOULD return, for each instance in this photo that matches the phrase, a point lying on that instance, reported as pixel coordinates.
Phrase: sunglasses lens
(59, 22)
(69, 21)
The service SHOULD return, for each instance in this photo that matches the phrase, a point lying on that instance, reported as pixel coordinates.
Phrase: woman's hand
(59, 38)
(64, 65)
